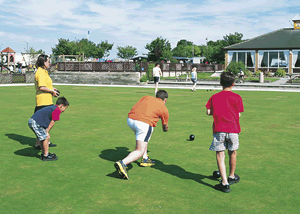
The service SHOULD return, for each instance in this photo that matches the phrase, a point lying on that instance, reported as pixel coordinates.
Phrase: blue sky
(137, 22)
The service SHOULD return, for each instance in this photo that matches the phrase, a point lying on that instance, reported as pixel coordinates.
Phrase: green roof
(286, 38)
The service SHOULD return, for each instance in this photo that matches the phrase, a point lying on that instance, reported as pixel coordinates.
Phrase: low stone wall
(111, 78)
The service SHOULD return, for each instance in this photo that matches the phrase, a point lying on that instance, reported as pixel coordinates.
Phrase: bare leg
(221, 164)
(137, 153)
(37, 143)
(45, 147)
(145, 155)
(194, 87)
(232, 162)
(156, 87)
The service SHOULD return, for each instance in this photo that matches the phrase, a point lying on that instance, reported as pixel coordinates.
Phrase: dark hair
(156, 64)
(41, 61)
(62, 100)
(227, 79)
(162, 94)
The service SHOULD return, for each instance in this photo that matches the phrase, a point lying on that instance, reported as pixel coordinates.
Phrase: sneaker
(51, 154)
(147, 162)
(52, 144)
(50, 157)
(234, 180)
(223, 188)
(122, 169)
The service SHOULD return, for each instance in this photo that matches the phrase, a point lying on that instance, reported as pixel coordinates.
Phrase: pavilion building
(269, 52)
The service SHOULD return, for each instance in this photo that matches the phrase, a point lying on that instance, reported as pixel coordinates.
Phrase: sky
(39, 24)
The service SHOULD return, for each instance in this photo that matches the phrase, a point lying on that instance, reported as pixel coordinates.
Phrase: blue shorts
(38, 130)
(194, 80)
(156, 79)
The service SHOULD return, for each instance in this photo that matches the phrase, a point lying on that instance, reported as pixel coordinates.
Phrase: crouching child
(42, 121)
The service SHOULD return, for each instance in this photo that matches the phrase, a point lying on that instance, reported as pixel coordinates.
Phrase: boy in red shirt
(142, 118)
(42, 121)
(226, 108)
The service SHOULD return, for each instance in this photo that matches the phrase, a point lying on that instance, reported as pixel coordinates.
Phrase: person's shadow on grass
(24, 140)
(114, 155)
(181, 173)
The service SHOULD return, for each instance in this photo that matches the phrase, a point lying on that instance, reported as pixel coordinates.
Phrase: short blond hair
(194, 69)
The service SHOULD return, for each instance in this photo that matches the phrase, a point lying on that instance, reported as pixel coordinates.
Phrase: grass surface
(207, 76)
(93, 134)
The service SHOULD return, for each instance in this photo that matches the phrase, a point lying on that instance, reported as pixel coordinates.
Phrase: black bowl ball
(192, 137)
(216, 174)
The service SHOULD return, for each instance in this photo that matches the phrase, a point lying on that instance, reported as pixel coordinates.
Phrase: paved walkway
(279, 85)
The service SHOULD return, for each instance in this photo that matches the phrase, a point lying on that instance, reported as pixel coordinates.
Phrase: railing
(13, 78)
(134, 67)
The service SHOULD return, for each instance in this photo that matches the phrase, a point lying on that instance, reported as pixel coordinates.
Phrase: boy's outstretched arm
(51, 124)
(209, 112)
(165, 128)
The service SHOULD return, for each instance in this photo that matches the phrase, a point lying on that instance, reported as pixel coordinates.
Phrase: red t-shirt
(226, 107)
(56, 114)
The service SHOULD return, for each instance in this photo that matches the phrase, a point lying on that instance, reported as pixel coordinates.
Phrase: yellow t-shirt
(42, 78)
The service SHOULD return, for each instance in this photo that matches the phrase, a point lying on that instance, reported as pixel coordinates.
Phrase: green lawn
(93, 134)
(207, 76)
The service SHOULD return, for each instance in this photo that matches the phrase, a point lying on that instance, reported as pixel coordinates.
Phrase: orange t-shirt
(149, 110)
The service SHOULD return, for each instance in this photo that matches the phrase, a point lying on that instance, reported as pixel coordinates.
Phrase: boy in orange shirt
(143, 116)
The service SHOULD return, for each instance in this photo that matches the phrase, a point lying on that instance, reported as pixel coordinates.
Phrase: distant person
(194, 78)
(226, 108)
(241, 76)
(23, 66)
(142, 118)
(44, 88)
(156, 75)
(19, 66)
(42, 121)
(11, 69)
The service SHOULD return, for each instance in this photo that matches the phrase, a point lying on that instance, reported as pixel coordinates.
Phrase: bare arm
(45, 89)
(209, 112)
(51, 124)
(165, 128)
(240, 114)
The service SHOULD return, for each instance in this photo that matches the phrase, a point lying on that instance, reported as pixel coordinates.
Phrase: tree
(126, 52)
(215, 49)
(89, 48)
(160, 49)
(65, 47)
(34, 52)
(186, 48)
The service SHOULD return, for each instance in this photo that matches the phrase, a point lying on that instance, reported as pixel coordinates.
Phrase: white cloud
(137, 23)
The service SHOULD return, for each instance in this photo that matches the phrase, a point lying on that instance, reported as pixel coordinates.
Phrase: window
(296, 59)
(246, 57)
(273, 59)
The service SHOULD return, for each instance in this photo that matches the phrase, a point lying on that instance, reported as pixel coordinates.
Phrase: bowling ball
(192, 137)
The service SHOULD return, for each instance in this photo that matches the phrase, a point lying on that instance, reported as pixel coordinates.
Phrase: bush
(234, 67)
(143, 78)
(248, 73)
(256, 73)
(149, 71)
(280, 72)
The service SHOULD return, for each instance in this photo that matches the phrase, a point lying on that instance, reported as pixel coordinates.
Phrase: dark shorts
(39, 107)
(194, 80)
(156, 79)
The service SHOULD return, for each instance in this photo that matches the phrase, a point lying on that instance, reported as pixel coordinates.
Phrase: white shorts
(142, 131)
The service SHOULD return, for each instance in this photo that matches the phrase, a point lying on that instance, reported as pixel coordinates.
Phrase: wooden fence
(134, 67)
